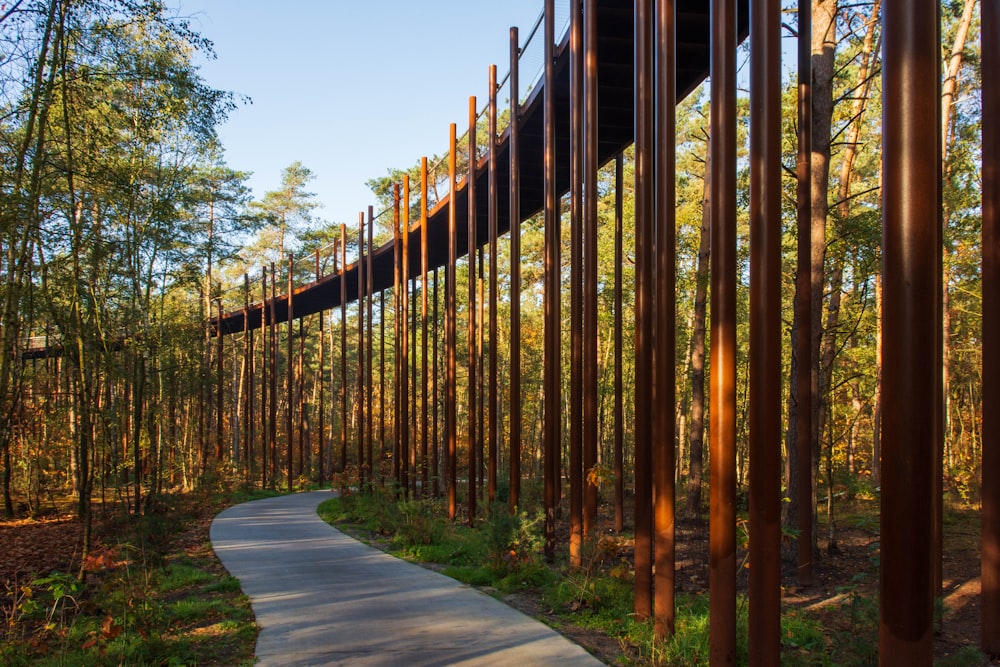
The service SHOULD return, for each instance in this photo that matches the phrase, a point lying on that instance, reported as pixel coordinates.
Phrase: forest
(124, 233)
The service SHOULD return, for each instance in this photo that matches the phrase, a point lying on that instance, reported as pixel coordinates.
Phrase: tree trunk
(696, 427)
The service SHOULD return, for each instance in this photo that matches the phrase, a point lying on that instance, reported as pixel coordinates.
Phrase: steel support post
(664, 480)
(990, 40)
(619, 407)
(551, 355)
(765, 334)
(273, 393)
(645, 287)
(912, 371)
(320, 413)
(424, 261)
(398, 464)
(576, 284)
(492, 446)
(219, 431)
(450, 393)
(722, 377)
(470, 190)
(360, 392)
(803, 301)
(343, 347)
(289, 381)
(404, 342)
(381, 375)
(264, 365)
(514, 144)
(373, 466)
(302, 468)
(590, 287)
(435, 458)
(248, 430)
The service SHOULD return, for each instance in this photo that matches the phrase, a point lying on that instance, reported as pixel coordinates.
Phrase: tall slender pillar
(911, 364)
(515, 275)
(450, 394)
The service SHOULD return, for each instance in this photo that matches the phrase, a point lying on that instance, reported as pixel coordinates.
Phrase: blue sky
(350, 88)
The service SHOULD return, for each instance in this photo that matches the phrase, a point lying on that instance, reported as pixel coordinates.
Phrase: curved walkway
(322, 598)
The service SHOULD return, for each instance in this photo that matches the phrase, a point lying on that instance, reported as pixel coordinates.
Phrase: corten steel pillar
(397, 423)
(219, 435)
(722, 378)
(414, 378)
(273, 393)
(289, 381)
(665, 122)
(249, 366)
(450, 394)
(619, 408)
(343, 347)
(321, 361)
(514, 144)
(470, 189)
(373, 466)
(435, 458)
(424, 261)
(404, 343)
(551, 357)
(991, 328)
(264, 366)
(576, 280)
(481, 398)
(590, 167)
(302, 468)
(360, 393)
(912, 376)
(803, 300)
(765, 334)
(644, 310)
(491, 487)
(381, 374)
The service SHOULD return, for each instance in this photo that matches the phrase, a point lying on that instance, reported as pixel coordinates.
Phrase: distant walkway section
(322, 598)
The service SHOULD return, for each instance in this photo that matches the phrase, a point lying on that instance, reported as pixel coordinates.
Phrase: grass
(156, 596)
(503, 554)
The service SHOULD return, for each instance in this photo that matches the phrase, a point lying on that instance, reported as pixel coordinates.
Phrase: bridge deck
(615, 133)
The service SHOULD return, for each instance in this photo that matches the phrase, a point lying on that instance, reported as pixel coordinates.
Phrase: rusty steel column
(248, 352)
(413, 379)
(219, 433)
(470, 190)
(273, 393)
(300, 388)
(803, 300)
(765, 334)
(991, 329)
(381, 374)
(514, 145)
(343, 347)
(321, 425)
(435, 458)
(576, 280)
(404, 343)
(492, 446)
(264, 366)
(450, 393)
(665, 167)
(373, 466)
(591, 386)
(645, 287)
(722, 379)
(619, 408)
(397, 424)
(289, 382)
(551, 361)
(424, 261)
(912, 374)
(360, 392)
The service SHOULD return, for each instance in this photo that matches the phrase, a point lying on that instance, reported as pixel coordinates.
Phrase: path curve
(323, 598)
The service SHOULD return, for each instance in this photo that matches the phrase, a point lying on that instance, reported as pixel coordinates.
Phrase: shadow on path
(322, 598)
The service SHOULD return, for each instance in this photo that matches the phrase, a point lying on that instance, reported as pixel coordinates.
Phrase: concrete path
(322, 598)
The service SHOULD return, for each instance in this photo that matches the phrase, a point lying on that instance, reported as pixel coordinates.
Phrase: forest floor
(844, 596)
